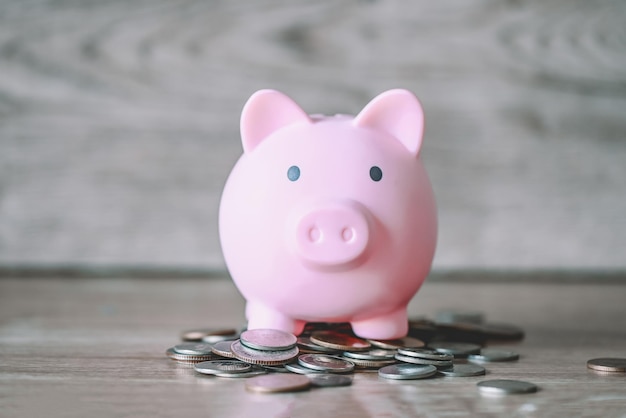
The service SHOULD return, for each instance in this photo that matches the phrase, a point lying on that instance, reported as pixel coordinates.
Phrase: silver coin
(426, 353)
(608, 364)
(187, 358)
(306, 345)
(417, 360)
(195, 349)
(299, 369)
(377, 354)
(273, 383)
(505, 387)
(268, 358)
(268, 339)
(488, 355)
(329, 380)
(222, 366)
(456, 349)
(251, 373)
(463, 370)
(326, 363)
(372, 363)
(222, 348)
(407, 371)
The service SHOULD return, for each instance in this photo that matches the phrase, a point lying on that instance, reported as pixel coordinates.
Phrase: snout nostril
(347, 234)
(332, 235)
(315, 235)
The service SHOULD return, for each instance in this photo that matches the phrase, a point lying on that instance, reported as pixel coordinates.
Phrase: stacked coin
(425, 356)
(375, 358)
(228, 368)
(268, 347)
(325, 363)
(256, 352)
(358, 353)
(190, 352)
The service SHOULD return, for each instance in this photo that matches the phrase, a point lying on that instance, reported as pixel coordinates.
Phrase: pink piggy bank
(329, 219)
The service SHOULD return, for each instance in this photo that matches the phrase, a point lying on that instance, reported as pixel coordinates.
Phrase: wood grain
(119, 120)
(76, 348)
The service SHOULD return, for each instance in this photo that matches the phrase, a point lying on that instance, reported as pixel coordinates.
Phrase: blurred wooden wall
(119, 120)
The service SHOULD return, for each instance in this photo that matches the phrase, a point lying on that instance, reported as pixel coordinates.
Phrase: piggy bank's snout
(333, 235)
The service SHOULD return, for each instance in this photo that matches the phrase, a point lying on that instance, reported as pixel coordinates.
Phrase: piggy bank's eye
(293, 173)
(376, 173)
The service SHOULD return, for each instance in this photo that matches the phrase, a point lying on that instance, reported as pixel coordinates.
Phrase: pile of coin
(327, 354)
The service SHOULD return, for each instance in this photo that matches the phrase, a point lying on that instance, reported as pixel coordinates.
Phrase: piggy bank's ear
(398, 113)
(265, 112)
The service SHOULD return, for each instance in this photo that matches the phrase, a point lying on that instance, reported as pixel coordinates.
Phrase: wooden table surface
(96, 347)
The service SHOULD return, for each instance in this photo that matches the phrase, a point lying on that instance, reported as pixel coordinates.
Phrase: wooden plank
(96, 348)
(119, 120)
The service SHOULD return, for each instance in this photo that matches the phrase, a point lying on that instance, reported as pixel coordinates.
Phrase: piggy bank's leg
(262, 316)
(385, 327)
